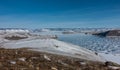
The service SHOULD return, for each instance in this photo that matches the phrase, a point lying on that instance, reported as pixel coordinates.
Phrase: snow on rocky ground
(55, 47)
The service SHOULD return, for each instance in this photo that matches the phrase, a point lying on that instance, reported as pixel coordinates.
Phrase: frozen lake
(94, 43)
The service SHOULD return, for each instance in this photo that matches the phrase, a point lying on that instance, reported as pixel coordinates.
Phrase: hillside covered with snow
(55, 47)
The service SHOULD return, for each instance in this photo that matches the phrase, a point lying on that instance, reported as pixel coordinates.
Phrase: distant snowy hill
(41, 30)
(14, 30)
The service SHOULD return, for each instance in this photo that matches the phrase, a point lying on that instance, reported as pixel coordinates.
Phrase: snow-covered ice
(111, 57)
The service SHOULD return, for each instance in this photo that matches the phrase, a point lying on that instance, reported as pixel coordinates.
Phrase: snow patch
(49, 45)
(22, 59)
(114, 67)
(13, 62)
(47, 58)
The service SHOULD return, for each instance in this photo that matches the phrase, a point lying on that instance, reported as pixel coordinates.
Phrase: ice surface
(111, 57)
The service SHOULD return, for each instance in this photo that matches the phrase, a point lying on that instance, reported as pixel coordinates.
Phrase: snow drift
(55, 47)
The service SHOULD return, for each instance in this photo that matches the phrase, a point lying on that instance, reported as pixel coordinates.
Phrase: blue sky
(59, 13)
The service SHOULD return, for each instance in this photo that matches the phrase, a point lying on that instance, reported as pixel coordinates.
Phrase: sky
(59, 13)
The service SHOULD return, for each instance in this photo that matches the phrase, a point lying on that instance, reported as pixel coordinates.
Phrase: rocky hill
(23, 59)
(108, 33)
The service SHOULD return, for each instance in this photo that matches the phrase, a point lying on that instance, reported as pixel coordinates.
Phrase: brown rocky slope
(23, 59)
